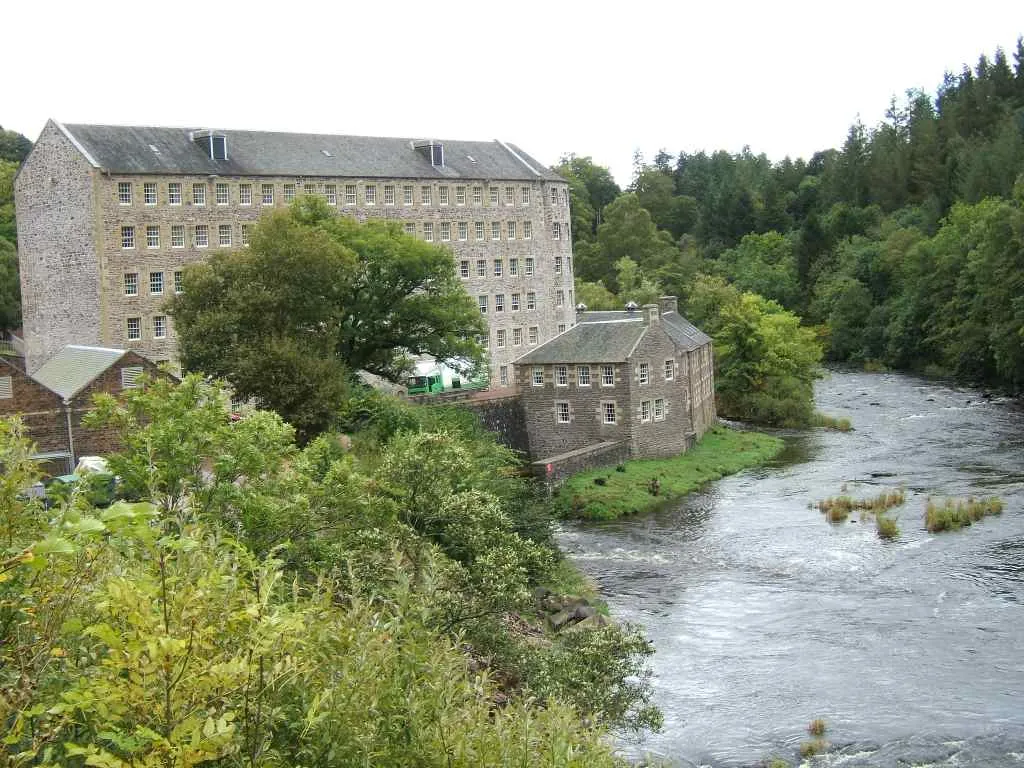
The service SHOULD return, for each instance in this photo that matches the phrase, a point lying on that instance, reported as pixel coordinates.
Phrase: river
(764, 616)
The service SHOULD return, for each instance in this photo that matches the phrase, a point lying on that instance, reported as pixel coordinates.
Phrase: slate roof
(609, 337)
(74, 367)
(129, 149)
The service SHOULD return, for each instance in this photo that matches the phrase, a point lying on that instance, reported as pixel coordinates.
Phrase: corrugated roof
(591, 342)
(140, 149)
(74, 367)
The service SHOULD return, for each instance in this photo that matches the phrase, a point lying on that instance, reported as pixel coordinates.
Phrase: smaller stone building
(634, 383)
(53, 400)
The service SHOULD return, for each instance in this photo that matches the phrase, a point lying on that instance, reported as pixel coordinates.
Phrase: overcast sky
(785, 78)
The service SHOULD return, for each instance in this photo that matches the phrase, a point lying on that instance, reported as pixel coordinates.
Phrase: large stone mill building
(108, 217)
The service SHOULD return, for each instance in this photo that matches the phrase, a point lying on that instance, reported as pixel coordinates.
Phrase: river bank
(645, 485)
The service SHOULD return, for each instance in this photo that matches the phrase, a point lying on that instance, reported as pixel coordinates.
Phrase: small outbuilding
(641, 379)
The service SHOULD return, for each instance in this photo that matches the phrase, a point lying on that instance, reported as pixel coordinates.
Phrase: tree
(592, 188)
(10, 287)
(13, 146)
(315, 297)
(764, 264)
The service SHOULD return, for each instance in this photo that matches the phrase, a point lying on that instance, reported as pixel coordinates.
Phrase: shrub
(886, 527)
(831, 422)
(954, 514)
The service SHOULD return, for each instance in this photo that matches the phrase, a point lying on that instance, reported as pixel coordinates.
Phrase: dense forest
(13, 149)
(904, 248)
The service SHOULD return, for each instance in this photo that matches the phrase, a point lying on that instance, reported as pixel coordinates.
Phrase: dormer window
(214, 144)
(431, 149)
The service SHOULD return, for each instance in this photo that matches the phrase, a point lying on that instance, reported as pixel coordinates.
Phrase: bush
(954, 514)
(886, 527)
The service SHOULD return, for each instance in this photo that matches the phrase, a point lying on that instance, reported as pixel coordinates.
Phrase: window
(174, 193)
(130, 376)
(289, 192)
(221, 193)
(517, 337)
(669, 370)
(370, 194)
(531, 300)
(556, 231)
(554, 196)
(152, 236)
(478, 195)
(202, 236)
(389, 194)
(511, 230)
(410, 228)
(484, 341)
(479, 227)
(532, 335)
(493, 194)
(460, 195)
(463, 230)
(529, 266)
(350, 194)
(331, 193)
(561, 327)
(609, 412)
(495, 230)
(583, 375)
(607, 375)
(499, 302)
(134, 328)
(245, 235)
(510, 195)
(482, 302)
(224, 235)
(442, 195)
(645, 411)
(562, 411)
(124, 192)
(538, 376)
(267, 194)
(198, 194)
(525, 195)
(559, 298)
(498, 267)
(513, 267)
(659, 409)
(407, 194)
(159, 326)
(446, 231)
(425, 195)
(514, 302)
(565, 229)
(645, 373)
(464, 268)
(499, 338)
(503, 375)
(179, 281)
(131, 283)
(177, 235)
(562, 375)
(481, 267)
(428, 231)
(6, 388)
(245, 194)
(127, 237)
(149, 193)
(156, 283)
(558, 265)
(527, 230)
(309, 189)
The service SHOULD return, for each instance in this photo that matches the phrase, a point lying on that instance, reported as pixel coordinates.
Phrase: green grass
(817, 727)
(831, 422)
(604, 494)
(886, 527)
(838, 508)
(812, 748)
(954, 514)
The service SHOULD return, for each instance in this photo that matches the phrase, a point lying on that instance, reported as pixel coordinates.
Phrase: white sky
(594, 78)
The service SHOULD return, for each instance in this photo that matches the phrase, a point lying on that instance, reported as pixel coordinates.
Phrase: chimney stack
(668, 304)
(652, 314)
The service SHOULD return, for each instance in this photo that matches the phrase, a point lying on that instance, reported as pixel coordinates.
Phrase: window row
(157, 327)
(667, 372)
(563, 414)
(446, 231)
(585, 375)
(367, 193)
(155, 283)
(200, 235)
(515, 302)
(515, 337)
(497, 267)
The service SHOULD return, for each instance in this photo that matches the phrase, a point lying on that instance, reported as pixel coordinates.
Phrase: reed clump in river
(838, 508)
(954, 514)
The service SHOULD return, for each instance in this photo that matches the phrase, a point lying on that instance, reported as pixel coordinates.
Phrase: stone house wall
(40, 410)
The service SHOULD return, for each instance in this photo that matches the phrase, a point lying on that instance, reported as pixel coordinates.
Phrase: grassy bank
(647, 484)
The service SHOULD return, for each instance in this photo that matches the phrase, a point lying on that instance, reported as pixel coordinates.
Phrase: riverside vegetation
(643, 485)
(954, 514)
(364, 601)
